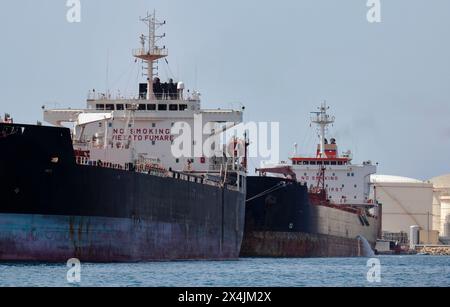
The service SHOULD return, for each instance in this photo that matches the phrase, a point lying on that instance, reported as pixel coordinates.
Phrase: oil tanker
(110, 188)
(317, 206)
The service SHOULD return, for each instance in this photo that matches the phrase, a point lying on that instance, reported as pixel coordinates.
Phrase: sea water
(400, 271)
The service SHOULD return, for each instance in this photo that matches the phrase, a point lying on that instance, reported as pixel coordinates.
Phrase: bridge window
(142, 107)
(151, 107)
(313, 163)
(173, 107)
(100, 107)
(327, 162)
(340, 163)
(305, 163)
(162, 107)
(110, 107)
(333, 162)
(183, 107)
(119, 107)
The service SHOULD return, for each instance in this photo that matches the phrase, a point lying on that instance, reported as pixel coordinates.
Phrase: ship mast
(149, 51)
(322, 119)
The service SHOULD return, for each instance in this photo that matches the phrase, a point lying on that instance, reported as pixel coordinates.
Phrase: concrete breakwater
(436, 250)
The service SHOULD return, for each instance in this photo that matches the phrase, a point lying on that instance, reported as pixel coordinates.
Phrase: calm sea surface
(394, 271)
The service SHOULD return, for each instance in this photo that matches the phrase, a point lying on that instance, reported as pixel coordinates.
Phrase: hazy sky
(388, 83)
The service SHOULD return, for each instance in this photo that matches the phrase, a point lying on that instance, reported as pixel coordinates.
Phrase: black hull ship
(110, 191)
(316, 207)
(53, 209)
(283, 221)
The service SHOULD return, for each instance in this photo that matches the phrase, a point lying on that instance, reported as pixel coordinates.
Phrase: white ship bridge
(118, 130)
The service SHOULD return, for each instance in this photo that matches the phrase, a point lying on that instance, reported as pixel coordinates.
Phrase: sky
(387, 83)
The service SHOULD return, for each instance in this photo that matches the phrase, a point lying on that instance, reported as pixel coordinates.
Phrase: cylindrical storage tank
(447, 226)
(406, 202)
(414, 236)
(436, 209)
(441, 188)
(445, 211)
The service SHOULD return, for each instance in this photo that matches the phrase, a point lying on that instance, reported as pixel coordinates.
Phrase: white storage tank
(445, 213)
(447, 226)
(414, 236)
(436, 209)
(406, 202)
(441, 197)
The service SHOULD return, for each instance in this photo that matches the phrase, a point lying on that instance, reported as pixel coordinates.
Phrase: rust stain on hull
(297, 245)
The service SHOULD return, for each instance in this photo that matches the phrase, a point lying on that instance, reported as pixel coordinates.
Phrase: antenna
(149, 52)
(107, 73)
(323, 120)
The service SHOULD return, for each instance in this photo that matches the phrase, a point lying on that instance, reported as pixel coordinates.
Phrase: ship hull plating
(53, 209)
(97, 239)
(283, 223)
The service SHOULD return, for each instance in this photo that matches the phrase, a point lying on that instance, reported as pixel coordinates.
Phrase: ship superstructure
(344, 182)
(120, 130)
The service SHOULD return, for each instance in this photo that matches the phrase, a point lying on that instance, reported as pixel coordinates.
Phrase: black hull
(284, 223)
(65, 210)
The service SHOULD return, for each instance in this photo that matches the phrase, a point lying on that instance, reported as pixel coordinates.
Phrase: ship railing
(230, 167)
(82, 160)
(95, 96)
(155, 171)
(237, 168)
(158, 52)
(151, 169)
(87, 162)
(133, 96)
(201, 180)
